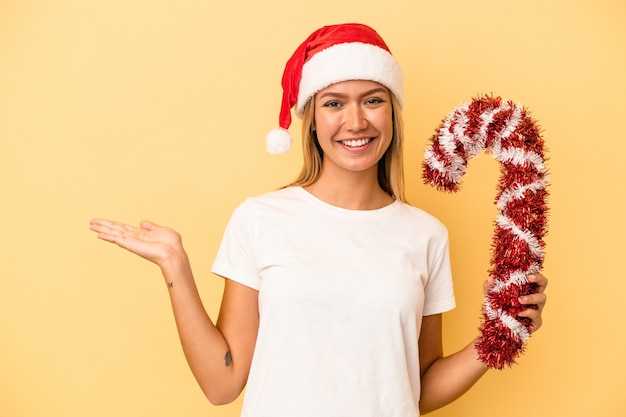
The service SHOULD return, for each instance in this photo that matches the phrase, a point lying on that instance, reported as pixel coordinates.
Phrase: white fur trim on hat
(349, 61)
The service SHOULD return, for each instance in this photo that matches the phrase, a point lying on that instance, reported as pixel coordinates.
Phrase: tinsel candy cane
(504, 129)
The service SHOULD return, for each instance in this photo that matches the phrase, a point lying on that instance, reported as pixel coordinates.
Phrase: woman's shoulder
(419, 218)
(278, 196)
(263, 205)
(276, 199)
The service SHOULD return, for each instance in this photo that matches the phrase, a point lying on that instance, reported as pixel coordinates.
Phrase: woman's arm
(219, 355)
(444, 379)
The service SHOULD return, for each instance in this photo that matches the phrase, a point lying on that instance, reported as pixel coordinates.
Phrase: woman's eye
(374, 100)
(332, 104)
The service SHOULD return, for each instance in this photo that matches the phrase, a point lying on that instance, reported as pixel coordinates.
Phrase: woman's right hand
(152, 242)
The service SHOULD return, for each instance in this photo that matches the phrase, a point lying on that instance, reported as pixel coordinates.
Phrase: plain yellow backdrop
(158, 109)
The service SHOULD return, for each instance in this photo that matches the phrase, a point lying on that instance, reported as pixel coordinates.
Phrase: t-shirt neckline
(344, 211)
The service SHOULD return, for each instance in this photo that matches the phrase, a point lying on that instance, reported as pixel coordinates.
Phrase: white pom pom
(278, 141)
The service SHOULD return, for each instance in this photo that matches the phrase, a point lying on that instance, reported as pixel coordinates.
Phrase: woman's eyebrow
(341, 95)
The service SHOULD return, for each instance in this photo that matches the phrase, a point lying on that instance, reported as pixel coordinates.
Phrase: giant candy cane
(507, 131)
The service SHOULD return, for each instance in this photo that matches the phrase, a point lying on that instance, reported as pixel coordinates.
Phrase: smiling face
(354, 126)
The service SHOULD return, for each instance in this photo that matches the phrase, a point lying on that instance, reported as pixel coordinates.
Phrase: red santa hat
(330, 55)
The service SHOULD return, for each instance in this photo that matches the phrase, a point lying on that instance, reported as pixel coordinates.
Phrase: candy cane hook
(506, 130)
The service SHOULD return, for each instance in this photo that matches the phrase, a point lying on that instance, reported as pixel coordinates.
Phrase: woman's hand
(536, 301)
(152, 242)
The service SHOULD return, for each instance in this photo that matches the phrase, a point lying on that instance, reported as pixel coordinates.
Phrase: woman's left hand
(536, 300)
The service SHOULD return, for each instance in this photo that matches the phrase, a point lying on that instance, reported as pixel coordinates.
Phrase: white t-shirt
(341, 298)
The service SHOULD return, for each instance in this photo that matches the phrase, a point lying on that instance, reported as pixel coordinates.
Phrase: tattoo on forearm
(170, 284)
(228, 360)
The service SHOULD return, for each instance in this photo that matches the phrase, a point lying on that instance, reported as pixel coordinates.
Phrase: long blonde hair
(390, 166)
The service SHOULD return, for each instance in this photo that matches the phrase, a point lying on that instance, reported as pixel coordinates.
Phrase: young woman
(334, 285)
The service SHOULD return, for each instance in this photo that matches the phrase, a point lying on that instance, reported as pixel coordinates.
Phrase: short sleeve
(439, 290)
(235, 257)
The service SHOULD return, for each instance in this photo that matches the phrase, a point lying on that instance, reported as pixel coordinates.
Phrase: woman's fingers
(534, 315)
(104, 228)
(114, 232)
(488, 284)
(536, 301)
(540, 280)
(108, 226)
(147, 225)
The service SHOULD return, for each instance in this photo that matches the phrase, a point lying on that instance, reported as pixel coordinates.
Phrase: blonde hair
(390, 166)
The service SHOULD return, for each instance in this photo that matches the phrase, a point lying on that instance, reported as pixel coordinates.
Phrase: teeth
(356, 142)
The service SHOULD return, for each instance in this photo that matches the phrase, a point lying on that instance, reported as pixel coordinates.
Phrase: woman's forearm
(205, 348)
(450, 377)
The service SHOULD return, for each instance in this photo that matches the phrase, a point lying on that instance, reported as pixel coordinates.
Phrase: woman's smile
(356, 143)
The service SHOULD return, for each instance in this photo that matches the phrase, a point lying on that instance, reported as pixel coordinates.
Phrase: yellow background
(158, 109)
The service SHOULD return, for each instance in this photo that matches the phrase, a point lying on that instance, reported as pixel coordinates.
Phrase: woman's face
(354, 125)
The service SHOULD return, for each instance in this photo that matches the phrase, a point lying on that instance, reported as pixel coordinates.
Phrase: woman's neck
(354, 191)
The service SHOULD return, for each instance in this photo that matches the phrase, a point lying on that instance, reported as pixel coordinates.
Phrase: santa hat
(330, 55)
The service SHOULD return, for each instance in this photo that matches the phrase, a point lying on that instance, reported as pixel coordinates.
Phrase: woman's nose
(355, 118)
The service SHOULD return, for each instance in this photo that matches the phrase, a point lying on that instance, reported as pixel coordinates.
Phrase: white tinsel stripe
(516, 327)
(432, 160)
(459, 115)
(472, 145)
(448, 141)
(532, 242)
(512, 123)
(487, 117)
(517, 277)
(455, 169)
(518, 191)
(517, 156)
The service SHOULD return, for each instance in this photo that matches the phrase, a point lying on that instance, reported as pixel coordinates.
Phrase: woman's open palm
(150, 241)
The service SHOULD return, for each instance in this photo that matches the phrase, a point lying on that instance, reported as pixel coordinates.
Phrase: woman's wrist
(176, 268)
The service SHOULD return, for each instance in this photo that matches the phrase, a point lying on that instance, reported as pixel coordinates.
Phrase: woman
(334, 286)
